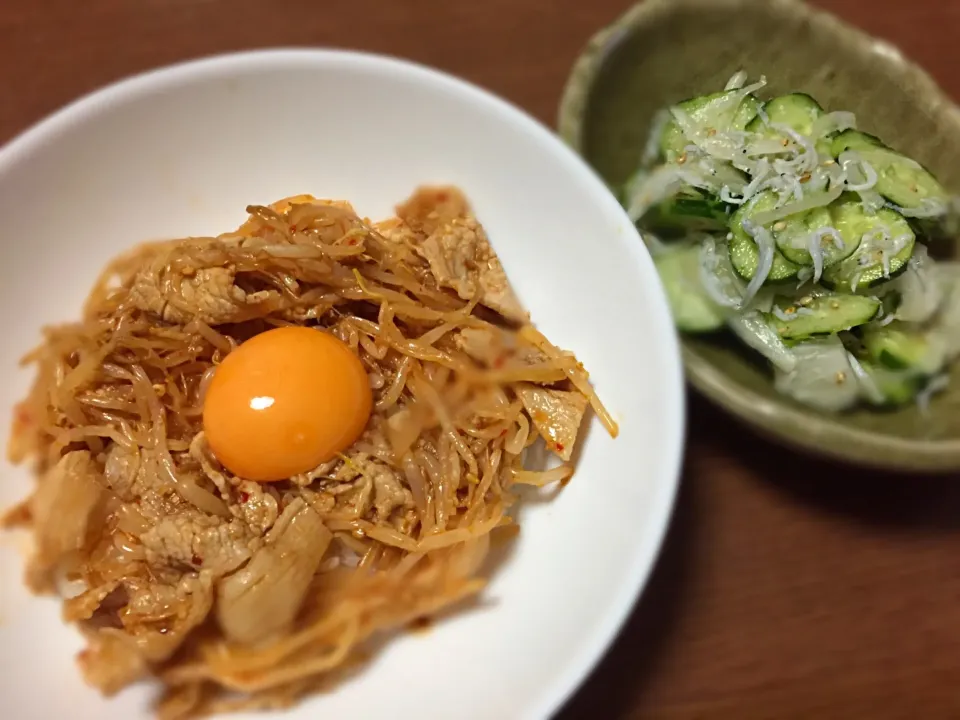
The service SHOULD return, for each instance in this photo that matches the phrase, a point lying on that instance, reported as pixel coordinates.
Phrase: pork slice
(492, 346)
(430, 207)
(208, 294)
(262, 599)
(388, 491)
(461, 258)
(64, 511)
(193, 539)
(156, 621)
(438, 223)
(556, 414)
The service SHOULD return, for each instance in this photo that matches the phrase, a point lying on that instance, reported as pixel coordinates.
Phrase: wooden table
(788, 588)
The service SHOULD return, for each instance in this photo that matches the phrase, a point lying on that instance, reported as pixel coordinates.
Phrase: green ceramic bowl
(663, 51)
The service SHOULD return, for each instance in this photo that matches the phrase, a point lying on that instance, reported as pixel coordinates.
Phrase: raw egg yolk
(284, 402)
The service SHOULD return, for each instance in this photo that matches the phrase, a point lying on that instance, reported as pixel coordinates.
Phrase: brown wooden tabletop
(788, 588)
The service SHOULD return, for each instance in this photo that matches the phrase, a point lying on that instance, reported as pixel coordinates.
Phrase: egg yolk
(284, 402)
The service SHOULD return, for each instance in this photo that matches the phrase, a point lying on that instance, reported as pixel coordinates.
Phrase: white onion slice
(753, 329)
(809, 202)
(833, 122)
(929, 208)
(736, 81)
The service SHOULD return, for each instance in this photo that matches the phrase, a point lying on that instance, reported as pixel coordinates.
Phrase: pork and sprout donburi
(256, 451)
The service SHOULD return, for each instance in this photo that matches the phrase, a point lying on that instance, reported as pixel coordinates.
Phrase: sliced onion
(833, 122)
(920, 295)
(651, 150)
(928, 208)
(810, 202)
(821, 377)
(935, 385)
(653, 188)
(765, 146)
(716, 278)
(755, 332)
(736, 81)
(872, 201)
(867, 384)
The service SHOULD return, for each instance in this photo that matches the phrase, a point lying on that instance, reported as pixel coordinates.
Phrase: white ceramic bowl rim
(623, 597)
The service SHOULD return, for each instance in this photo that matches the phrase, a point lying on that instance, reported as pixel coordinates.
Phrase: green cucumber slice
(898, 347)
(693, 310)
(713, 111)
(875, 235)
(744, 254)
(896, 388)
(797, 110)
(899, 179)
(792, 236)
(689, 210)
(823, 315)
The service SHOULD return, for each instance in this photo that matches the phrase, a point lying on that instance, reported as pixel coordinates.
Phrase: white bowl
(182, 151)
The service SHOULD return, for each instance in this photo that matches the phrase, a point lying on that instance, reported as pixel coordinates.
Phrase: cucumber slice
(822, 378)
(885, 240)
(899, 179)
(690, 210)
(793, 234)
(897, 347)
(672, 141)
(797, 110)
(856, 140)
(693, 310)
(823, 315)
(895, 388)
(744, 254)
(714, 111)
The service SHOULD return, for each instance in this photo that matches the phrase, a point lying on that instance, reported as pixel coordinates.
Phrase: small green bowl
(663, 51)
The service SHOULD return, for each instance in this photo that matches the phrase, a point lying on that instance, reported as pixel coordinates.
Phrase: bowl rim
(549, 699)
(797, 427)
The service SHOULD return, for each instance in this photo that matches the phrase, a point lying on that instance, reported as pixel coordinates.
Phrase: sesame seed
(784, 142)
(840, 377)
(790, 310)
(682, 159)
(779, 226)
(711, 132)
(806, 300)
(835, 304)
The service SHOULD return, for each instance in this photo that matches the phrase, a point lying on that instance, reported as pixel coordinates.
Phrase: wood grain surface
(788, 588)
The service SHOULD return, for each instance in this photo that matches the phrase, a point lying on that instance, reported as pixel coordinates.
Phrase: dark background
(788, 588)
